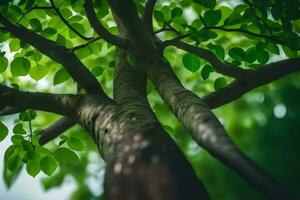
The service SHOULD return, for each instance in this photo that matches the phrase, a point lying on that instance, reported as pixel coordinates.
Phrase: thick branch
(56, 103)
(129, 83)
(266, 74)
(100, 29)
(136, 31)
(59, 54)
(10, 110)
(227, 69)
(208, 132)
(67, 23)
(148, 12)
(56, 129)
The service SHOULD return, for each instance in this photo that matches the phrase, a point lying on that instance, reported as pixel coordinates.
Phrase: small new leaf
(19, 130)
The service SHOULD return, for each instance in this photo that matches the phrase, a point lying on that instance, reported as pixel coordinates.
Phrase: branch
(174, 40)
(67, 23)
(266, 74)
(100, 29)
(148, 12)
(59, 54)
(208, 132)
(32, 9)
(136, 31)
(56, 103)
(220, 67)
(85, 44)
(239, 30)
(56, 129)
(10, 110)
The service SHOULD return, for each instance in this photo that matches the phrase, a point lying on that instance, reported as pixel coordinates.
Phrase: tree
(143, 161)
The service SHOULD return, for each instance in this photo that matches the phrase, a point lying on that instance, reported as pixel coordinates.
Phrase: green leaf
(206, 3)
(204, 35)
(66, 12)
(35, 25)
(217, 49)
(35, 139)
(159, 16)
(235, 17)
(273, 48)
(61, 76)
(14, 45)
(66, 156)
(61, 40)
(42, 151)
(97, 71)
(78, 27)
(17, 139)
(3, 63)
(3, 131)
(237, 53)
(219, 83)
(19, 130)
(276, 12)
(289, 52)
(10, 176)
(13, 158)
(33, 165)
(262, 57)
(176, 12)
(206, 71)
(250, 55)
(38, 72)
(48, 32)
(212, 17)
(75, 18)
(62, 142)
(191, 62)
(48, 165)
(75, 144)
(27, 146)
(20, 67)
(27, 115)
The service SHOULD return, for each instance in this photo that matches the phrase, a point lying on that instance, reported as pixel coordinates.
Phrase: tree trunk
(143, 162)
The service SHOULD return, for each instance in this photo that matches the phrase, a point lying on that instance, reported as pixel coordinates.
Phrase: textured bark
(143, 162)
(56, 129)
(137, 152)
(208, 132)
(266, 74)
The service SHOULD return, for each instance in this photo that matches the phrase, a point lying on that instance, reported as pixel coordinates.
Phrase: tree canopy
(54, 53)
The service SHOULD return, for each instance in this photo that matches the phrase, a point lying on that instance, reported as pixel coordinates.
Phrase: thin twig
(84, 45)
